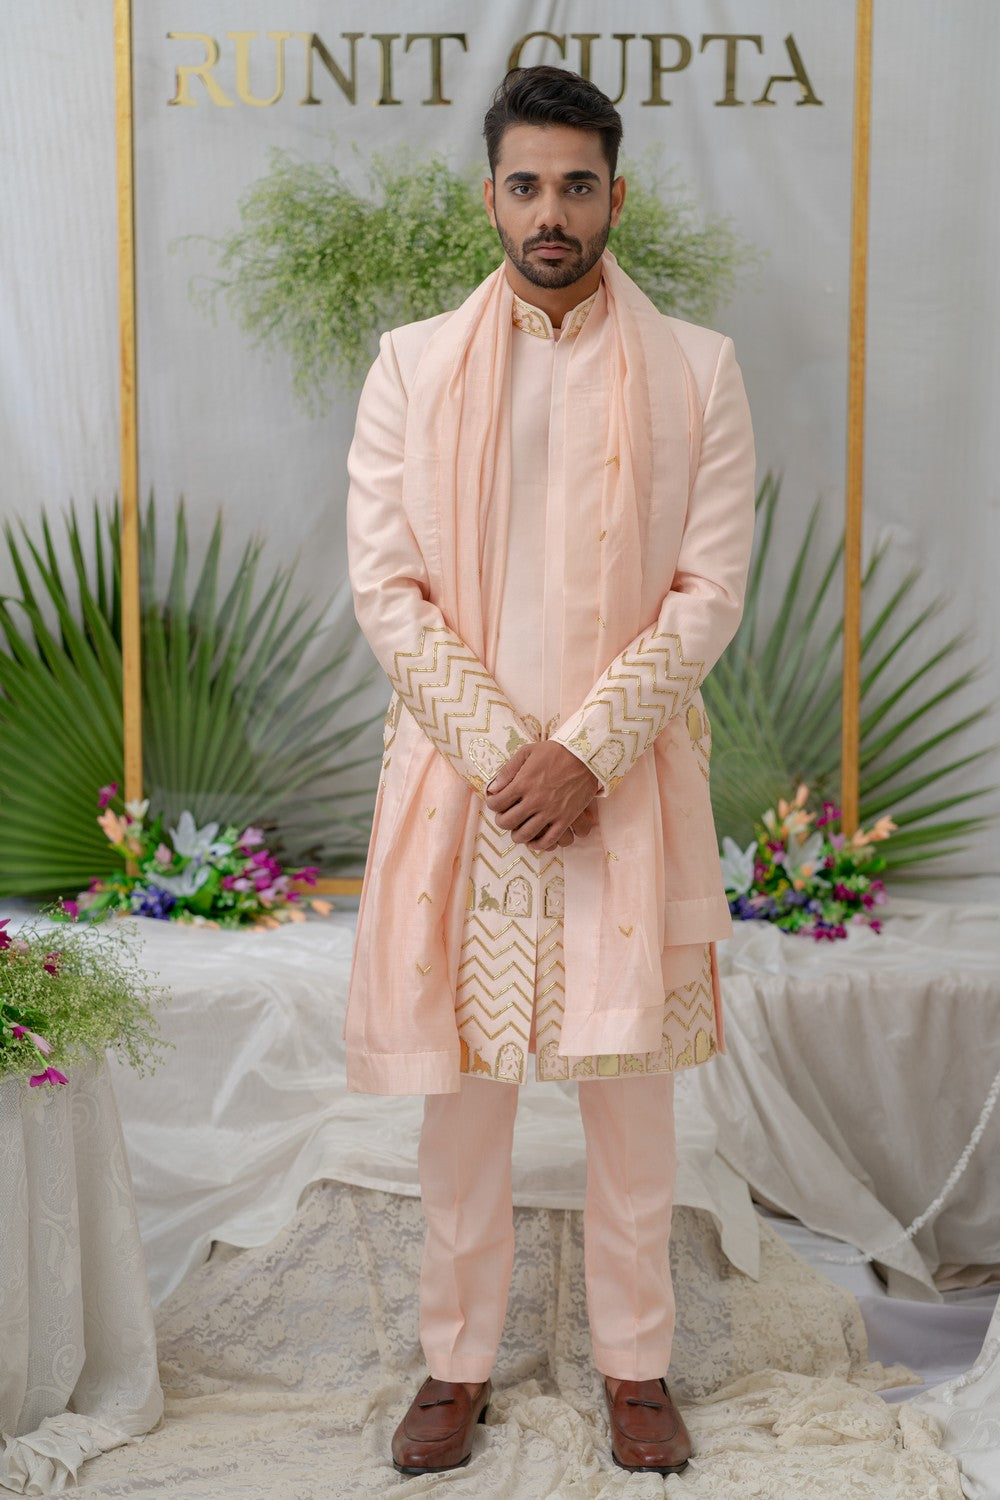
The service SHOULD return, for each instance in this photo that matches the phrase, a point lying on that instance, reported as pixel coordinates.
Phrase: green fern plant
(774, 702)
(320, 269)
(242, 701)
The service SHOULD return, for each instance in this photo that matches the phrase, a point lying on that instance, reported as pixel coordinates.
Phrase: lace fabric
(286, 1368)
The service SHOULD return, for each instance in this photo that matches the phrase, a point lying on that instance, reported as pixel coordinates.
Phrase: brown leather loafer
(647, 1431)
(436, 1433)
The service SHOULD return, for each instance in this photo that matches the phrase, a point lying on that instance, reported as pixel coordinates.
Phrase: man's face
(552, 202)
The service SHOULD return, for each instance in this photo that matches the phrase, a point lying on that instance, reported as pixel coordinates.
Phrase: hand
(541, 793)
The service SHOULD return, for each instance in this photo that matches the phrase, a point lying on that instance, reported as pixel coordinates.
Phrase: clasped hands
(542, 796)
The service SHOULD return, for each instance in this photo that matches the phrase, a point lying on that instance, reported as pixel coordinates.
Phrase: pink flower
(106, 793)
(308, 875)
(837, 840)
(71, 909)
(39, 1041)
(51, 1075)
(831, 812)
(250, 839)
(50, 963)
(875, 925)
(4, 936)
(164, 854)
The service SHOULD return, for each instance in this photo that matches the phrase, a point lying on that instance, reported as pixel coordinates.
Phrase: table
(76, 1324)
(856, 1073)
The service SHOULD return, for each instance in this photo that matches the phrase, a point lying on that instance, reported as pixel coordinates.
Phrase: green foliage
(687, 266)
(774, 702)
(92, 995)
(320, 269)
(241, 695)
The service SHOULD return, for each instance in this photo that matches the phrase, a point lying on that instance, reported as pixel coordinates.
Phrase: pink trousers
(465, 1181)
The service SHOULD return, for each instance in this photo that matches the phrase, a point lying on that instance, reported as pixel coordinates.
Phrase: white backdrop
(218, 422)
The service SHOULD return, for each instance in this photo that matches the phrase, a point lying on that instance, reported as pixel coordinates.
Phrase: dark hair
(545, 95)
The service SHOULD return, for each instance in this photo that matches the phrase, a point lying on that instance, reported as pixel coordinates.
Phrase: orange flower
(112, 826)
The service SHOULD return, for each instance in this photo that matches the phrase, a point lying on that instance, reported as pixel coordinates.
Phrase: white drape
(218, 421)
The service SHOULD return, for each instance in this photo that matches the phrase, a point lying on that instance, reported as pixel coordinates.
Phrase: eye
(521, 189)
(581, 189)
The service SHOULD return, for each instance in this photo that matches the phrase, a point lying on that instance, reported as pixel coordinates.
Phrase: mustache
(556, 237)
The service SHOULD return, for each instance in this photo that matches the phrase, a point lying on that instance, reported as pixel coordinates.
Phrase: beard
(574, 267)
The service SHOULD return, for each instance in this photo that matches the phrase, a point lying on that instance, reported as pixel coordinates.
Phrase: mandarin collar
(531, 319)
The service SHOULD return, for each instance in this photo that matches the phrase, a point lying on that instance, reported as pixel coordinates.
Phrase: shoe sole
(447, 1468)
(650, 1468)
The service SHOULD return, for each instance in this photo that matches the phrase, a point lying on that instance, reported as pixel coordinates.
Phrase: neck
(555, 301)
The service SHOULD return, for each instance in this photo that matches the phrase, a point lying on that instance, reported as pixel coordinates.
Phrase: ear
(617, 199)
(488, 200)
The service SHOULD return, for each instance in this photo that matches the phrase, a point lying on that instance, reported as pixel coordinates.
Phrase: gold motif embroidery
(555, 897)
(424, 968)
(533, 320)
(645, 687)
(606, 761)
(511, 972)
(456, 703)
(425, 896)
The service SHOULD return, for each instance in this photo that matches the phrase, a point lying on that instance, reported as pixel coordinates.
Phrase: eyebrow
(579, 176)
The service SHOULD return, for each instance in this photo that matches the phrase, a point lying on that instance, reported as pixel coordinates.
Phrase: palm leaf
(236, 726)
(774, 702)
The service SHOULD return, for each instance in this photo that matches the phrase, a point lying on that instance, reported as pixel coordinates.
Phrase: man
(550, 518)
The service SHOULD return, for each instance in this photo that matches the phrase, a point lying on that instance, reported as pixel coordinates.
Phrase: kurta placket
(510, 992)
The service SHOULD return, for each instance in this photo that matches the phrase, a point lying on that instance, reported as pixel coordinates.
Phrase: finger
(584, 824)
(567, 838)
(508, 770)
(511, 817)
(534, 830)
(503, 800)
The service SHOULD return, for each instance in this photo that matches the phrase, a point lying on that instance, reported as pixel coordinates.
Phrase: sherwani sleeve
(438, 678)
(658, 673)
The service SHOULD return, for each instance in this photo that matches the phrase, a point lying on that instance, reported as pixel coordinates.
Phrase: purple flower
(71, 909)
(875, 925)
(50, 963)
(831, 812)
(106, 793)
(152, 902)
(308, 875)
(39, 1041)
(843, 892)
(51, 1075)
(4, 936)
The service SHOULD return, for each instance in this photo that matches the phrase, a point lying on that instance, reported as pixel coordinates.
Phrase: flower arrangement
(65, 998)
(803, 875)
(220, 877)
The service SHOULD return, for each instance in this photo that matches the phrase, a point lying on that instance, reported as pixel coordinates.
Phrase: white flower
(190, 841)
(137, 810)
(803, 858)
(186, 883)
(737, 866)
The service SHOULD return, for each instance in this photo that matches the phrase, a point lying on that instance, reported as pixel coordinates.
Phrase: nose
(550, 210)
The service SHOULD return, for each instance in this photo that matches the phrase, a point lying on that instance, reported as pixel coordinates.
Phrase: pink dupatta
(456, 470)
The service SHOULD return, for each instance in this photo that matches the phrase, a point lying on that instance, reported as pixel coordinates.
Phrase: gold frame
(850, 722)
(854, 498)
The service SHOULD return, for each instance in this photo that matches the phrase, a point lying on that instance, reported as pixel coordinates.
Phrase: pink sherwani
(491, 942)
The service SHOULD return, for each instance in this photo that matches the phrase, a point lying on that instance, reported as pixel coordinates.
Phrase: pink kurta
(511, 975)
(639, 425)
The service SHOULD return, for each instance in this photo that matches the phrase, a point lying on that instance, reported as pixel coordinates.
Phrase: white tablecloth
(76, 1325)
(855, 1076)
(252, 1106)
